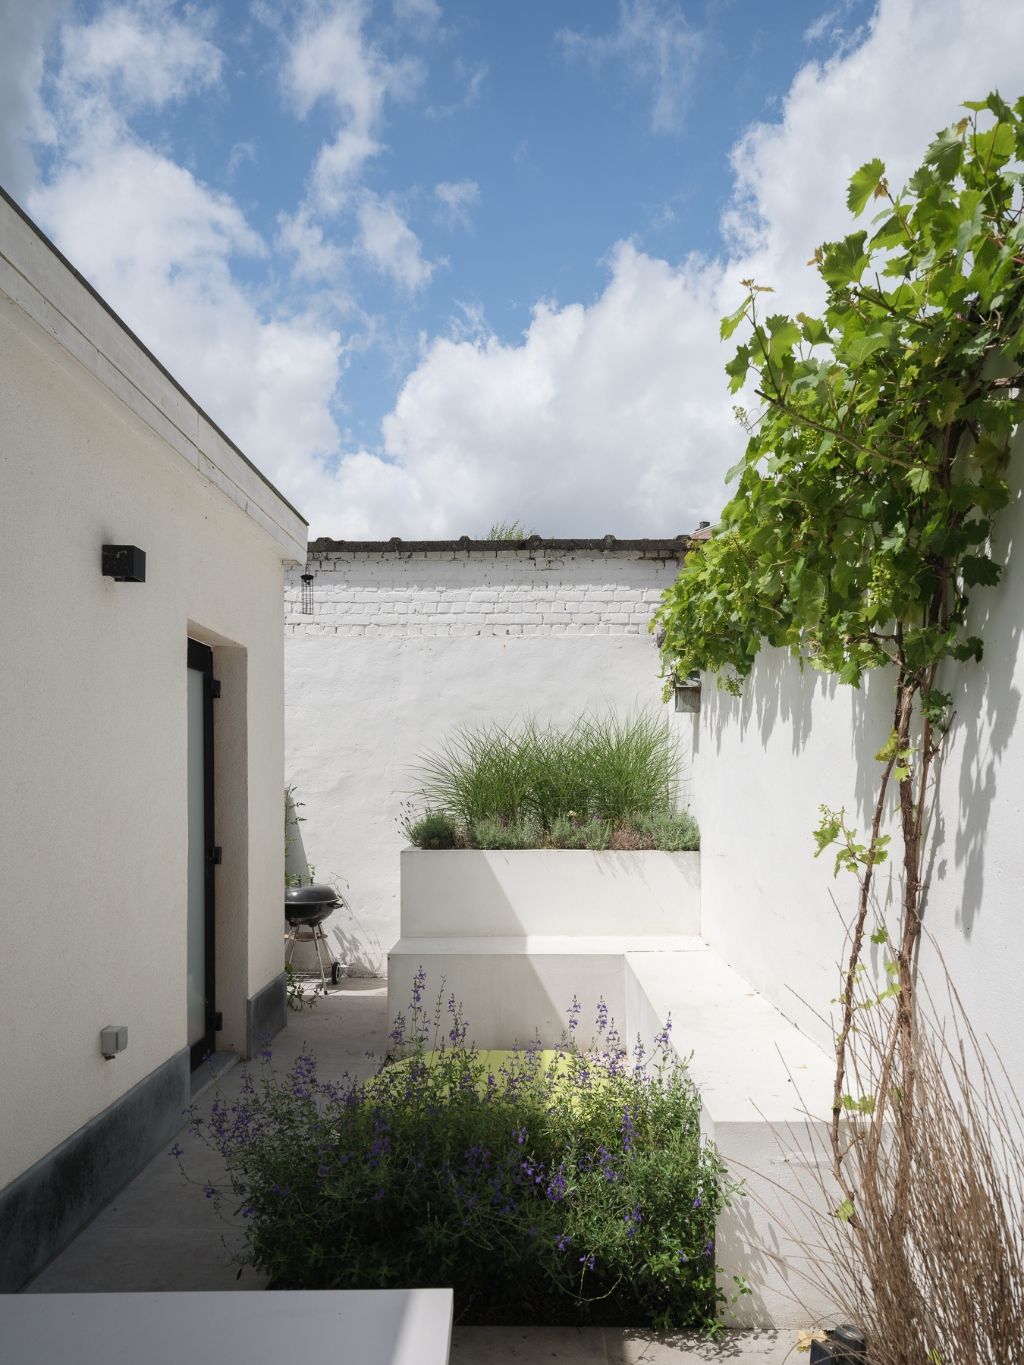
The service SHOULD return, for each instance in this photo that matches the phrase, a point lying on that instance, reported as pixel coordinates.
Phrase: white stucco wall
(98, 446)
(406, 645)
(763, 764)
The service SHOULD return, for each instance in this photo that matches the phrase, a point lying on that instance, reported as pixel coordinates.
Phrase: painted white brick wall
(404, 646)
(409, 594)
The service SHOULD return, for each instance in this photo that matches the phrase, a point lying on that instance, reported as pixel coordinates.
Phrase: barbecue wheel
(335, 973)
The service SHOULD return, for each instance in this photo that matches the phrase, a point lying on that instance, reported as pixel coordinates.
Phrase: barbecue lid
(311, 895)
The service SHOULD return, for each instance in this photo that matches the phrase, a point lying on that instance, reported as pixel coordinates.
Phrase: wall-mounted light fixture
(687, 693)
(307, 594)
(124, 563)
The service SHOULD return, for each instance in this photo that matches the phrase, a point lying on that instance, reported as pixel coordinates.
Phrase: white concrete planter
(515, 935)
(489, 893)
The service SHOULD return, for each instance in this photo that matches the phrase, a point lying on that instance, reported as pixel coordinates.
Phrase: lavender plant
(561, 1186)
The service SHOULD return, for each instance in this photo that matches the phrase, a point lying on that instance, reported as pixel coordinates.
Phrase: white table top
(261, 1327)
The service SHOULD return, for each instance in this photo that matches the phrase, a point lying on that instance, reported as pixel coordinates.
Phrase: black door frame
(200, 658)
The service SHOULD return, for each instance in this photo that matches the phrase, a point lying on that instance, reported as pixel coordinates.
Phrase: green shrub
(434, 829)
(673, 831)
(566, 1187)
(567, 832)
(522, 833)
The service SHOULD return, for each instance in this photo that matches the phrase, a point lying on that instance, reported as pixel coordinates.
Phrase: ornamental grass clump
(566, 1186)
(600, 782)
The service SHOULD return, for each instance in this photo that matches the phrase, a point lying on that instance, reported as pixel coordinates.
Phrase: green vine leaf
(730, 323)
(863, 184)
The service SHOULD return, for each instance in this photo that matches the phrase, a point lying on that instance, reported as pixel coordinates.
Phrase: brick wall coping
(674, 547)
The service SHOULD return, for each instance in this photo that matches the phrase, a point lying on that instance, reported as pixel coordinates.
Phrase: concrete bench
(759, 1078)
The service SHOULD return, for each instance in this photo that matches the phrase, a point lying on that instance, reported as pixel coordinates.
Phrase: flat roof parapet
(673, 547)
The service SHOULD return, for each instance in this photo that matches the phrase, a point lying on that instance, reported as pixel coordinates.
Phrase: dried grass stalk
(933, 1275)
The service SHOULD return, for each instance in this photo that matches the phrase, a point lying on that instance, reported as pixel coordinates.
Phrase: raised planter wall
(479, 892)
(515, 935)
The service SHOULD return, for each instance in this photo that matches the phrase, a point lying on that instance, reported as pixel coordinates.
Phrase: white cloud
(167, 270)
(616, 417)
(658, 48)
(241, 152)
(315, 257)
(473, 79)
(830, 26)
(421, 13)
(139, 55)
(457, 198)
(389, 244)
(330, 59)
(24, 119)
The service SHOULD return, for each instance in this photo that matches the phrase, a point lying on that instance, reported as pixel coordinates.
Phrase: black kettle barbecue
(305, 909)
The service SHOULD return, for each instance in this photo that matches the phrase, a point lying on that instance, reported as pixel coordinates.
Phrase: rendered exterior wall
(405, 646)
(763, 764)
(93, 845)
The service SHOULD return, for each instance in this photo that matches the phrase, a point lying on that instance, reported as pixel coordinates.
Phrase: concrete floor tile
(633, 1347)
(528, 1345)
(141, 1259)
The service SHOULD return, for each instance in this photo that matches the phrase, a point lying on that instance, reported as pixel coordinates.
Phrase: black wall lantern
(307, 594)
(124, 563)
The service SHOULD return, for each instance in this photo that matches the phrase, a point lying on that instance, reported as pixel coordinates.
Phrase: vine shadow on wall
(987, 705)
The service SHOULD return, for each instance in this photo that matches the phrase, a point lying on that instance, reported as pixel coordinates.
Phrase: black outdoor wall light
(124, 563)
(307, 594)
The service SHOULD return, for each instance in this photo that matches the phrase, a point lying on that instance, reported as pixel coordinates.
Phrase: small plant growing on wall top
(865, 502)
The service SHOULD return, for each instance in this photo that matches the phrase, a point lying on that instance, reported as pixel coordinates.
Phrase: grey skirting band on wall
(266, 1013)
(42, 1209)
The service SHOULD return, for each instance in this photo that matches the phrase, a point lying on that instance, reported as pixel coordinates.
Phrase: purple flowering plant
(566, 1185)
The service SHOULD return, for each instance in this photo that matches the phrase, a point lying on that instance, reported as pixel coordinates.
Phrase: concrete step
(515, 989)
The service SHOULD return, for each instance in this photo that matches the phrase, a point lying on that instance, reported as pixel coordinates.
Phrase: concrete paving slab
(608, 1346)
(731, 1348)
(527, 1345)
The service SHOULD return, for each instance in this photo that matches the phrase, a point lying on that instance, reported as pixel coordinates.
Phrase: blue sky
(434, 263)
